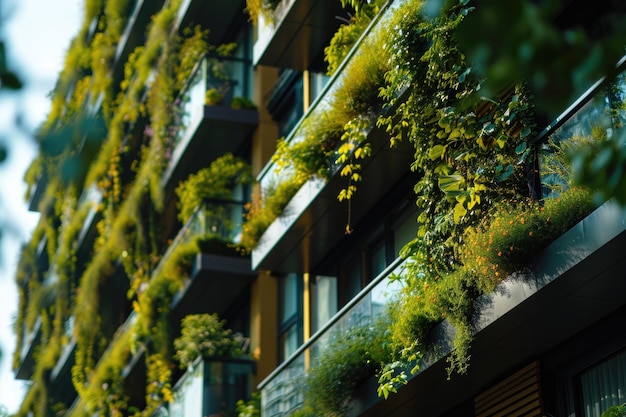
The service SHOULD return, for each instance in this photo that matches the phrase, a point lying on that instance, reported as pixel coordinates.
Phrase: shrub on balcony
(349, 359)
(499, 246)
(213, 182)
(204, 335)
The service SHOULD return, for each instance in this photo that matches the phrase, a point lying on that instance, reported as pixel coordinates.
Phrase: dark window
(289, 315)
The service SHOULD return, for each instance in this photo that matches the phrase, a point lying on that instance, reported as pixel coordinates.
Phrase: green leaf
(521, 148)
(459, 212)
(449, 183)
(505, 174)
(437, 152)
(524, 133)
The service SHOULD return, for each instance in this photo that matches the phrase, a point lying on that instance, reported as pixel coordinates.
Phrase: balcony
(575, 282)
(212, 388)
(61, 375)
(283, 391)
(91, 197)
(31, 339)
(219, 17)
(297, 35)
(314, 221)
(219, 274)
(139, 18)
(208, 131)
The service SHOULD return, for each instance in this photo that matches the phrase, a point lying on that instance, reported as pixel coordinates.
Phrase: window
(286, 103)
(324, 300)
(289, 315)
(603, 385)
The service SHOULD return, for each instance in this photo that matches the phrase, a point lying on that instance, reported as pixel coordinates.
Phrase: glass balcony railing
(282, 391)
(214, 82)
(271, 173)
(596, 116)
(212, 388)
(215, 219)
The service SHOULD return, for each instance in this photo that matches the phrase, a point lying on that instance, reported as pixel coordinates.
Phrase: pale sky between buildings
(37, 34)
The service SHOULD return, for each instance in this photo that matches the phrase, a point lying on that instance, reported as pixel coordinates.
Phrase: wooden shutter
(516, 396)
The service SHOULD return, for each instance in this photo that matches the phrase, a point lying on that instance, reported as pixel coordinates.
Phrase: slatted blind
(516, 396)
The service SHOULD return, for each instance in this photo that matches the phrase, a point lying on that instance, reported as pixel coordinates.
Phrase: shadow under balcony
(218, 16)
(298, 33)
(573, 284)
(209, 126)
(139, 18)
(32, 339)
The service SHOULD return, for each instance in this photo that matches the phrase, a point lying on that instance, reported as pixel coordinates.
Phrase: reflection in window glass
(404, 231)
(604, 385)
(378, 259)
(290, 305)
(324, 300)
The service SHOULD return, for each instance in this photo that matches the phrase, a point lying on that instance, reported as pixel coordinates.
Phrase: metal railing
(282, 392)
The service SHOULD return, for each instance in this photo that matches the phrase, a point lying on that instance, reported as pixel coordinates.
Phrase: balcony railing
(220, 219)
(214, 81)
(208, 122)
(601, 111)
(282, 391)
(212, 387)
(271, 174)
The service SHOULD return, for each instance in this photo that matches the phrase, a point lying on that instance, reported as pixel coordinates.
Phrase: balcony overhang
(572, 292)
(26, 367)
(221, 129)
(37, 192)
(217, 16)
(314, 221)
(61, 375)
(133, 34)
(215, 283)
(300, 32)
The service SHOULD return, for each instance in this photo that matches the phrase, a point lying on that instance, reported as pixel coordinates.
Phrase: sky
(37, 34)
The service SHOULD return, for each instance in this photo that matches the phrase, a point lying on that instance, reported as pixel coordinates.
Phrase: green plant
(615, 411)
(213, 182)
(250, 408)
(265, 8)
(242, 103)
(346, 36)
(204, 335)
(213, 97)
(261, 215)
(350, 358)
(500, 245)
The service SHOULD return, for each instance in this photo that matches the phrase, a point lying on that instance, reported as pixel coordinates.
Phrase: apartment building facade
(262, 163)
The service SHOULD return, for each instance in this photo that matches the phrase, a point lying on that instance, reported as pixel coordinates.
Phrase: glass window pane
(378, 260)
(604, 385)
(289, 295)
(288, 342)
(404, 231)
(324, 300)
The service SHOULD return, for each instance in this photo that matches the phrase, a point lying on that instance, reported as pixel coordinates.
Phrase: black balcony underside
(221, 130)
(134, 34)
(26, 367)
(301, 35)
(214, 284)
(218, 16)
(584, 306)
(296, 245)
(61, 375)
